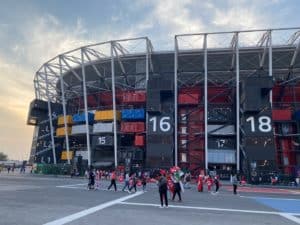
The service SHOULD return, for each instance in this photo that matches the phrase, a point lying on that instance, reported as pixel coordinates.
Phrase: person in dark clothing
(163, 188)
(113, 177)
(91, 183)
(217, 183)
(144, 182)
(234, 182)
(177, 188)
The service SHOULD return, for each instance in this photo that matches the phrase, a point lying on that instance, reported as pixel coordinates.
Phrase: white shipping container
(80, 129)
(103, 128)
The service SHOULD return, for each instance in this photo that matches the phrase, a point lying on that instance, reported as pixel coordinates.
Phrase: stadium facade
(224, 101)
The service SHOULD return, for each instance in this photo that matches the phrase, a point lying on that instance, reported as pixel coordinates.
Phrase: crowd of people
(171, 183)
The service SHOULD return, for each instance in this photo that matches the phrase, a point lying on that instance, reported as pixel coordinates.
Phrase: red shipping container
(281, 114)
(92, 101)
(134, 97)
(139, 140)
(188, 99)
(105, 98)
(132, 127)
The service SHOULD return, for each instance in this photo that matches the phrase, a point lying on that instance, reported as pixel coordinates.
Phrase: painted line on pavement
(290, 216)
(89, 211)
(285, 199)
(71, 185)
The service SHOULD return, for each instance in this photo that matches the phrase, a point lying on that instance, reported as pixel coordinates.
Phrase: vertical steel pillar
(176, 102)
(114, 101)
(62, 88)
(205, 102)
(86, 108)
(237, 103)
(270, 64)
(147, 60)
(147, 77)
(50, 116)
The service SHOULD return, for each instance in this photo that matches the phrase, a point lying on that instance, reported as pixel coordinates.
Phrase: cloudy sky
(33, 31)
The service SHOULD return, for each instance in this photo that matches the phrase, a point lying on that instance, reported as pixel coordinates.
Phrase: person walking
(162, 189)
(234, 183)
(133, 184)
(177, 188)
(126, 185)
(91, 184)
(217, 183)
(98, 177)
(144, 182)
(112, 181)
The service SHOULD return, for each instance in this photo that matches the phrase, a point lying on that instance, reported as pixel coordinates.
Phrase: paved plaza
(30, 200)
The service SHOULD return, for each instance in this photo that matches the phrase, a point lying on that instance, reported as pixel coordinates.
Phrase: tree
(3, 157)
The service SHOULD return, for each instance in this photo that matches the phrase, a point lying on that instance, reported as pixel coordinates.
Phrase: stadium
(222, 102)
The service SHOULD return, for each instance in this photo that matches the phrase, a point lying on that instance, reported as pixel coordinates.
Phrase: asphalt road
(35, 200)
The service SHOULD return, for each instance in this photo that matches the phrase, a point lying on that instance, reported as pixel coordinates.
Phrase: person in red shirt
(200, 183)
(113, 177)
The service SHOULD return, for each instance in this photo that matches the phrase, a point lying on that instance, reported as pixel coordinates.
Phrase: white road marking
(290, 216)
(285, 199)
(89, 211)
(71, 185)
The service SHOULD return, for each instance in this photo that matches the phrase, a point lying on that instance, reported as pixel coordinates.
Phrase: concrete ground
(31, 200)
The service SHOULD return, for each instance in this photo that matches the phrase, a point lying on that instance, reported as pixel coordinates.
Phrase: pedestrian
(177, 188)
(163, 188)
(234, 183)
(200, 183)
(126, 185)
(217, 183)
(91, 184)
(144, 182)
(98, 177)
(8, 169)
(209, 182)
(112, 181)
(133, 182)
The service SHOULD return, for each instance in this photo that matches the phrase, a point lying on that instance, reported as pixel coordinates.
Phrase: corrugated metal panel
(103, 128)
(106, 115)
(60, 120)
(80, 117)
(133, 114)
(61, 131)
(80, 129)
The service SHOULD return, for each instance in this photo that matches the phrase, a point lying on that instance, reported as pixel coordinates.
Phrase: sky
(33, 31)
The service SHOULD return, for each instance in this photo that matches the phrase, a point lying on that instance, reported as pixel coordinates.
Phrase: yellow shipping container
(64, 155)
(61, 131)
(106, 115)
(69, 120)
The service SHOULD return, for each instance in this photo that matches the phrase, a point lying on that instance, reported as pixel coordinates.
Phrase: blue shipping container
(80, 118)
(133, 114)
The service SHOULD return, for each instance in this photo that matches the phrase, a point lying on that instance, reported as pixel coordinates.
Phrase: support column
(86, 108)
(237, 104)
(270, 64)
(176, 102)
(50, 116)
(205, 102)
(62, 88)
(114, 102)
